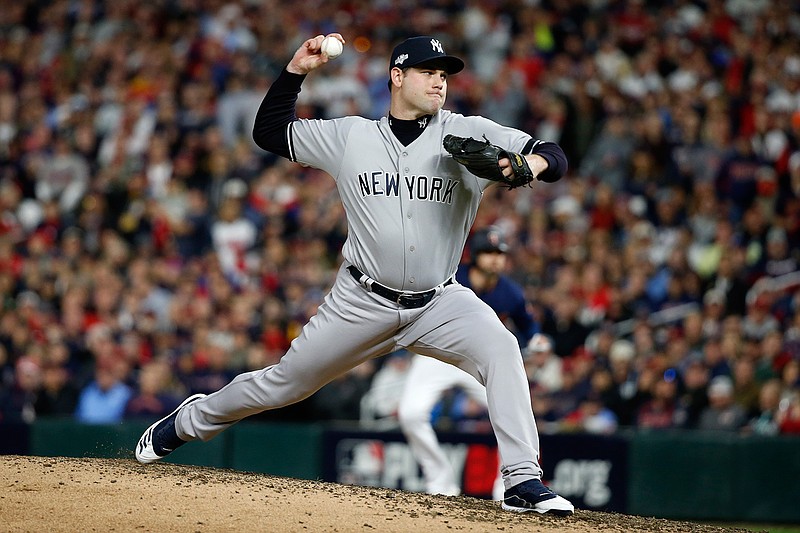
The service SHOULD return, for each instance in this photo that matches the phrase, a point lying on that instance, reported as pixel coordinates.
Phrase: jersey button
(412, 280)
(405, 154)
(411, 248)
(409, 215)
(405, 169)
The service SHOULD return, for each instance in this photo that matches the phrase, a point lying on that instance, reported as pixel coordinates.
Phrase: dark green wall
(281, 449)
(292, 450)
(681, 475)
(691, 475)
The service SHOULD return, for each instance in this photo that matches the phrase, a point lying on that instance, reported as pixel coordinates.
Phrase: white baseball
(331, 46)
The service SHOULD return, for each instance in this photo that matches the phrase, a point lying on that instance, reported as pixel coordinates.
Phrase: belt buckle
(412, 301)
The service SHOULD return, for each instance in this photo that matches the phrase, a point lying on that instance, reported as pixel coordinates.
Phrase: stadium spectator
(17, 402)
(790, 376)
(746, 388)
(208, 366)
(233, 236)
(682, 125)
(591, 416)
(658, 412)
(103, 400)
(609, 155)
(766, 420)
(692, 396)
(564, 327)
(154, 395)
(622, 396)
(341, 398)
(62, 176)
(788, 417)
(543, 367)
(759, 321)
(58, 395)
(722, 413)
(567, 399)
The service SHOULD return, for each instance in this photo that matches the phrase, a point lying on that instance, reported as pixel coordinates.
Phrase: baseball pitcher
(410, 184)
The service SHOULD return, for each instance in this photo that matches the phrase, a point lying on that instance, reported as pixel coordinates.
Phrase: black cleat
(534, 496)
(160, 439)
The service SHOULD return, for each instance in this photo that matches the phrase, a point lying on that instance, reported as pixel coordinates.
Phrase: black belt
(410, 300)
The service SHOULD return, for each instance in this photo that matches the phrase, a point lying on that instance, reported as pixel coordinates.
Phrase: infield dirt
(58, 494)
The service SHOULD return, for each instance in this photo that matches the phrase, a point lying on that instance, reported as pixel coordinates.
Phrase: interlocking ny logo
(400, 59)
(437, 46)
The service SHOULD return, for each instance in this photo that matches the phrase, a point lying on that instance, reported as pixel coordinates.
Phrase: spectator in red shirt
(659, 411)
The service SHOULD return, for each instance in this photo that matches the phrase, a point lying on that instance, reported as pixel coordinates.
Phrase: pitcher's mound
(59, 494)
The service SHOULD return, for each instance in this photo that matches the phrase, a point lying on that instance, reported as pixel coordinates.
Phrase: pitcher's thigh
(323, 353)
(350, 327)
(462, 329)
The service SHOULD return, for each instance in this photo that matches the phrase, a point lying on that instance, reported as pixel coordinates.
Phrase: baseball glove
(481, 158)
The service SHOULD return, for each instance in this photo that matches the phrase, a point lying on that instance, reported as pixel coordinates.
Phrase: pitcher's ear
(396, 76)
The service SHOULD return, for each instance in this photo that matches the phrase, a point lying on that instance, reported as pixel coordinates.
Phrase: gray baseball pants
(353, 325)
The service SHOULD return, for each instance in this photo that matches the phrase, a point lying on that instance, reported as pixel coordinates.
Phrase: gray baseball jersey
(409, 210)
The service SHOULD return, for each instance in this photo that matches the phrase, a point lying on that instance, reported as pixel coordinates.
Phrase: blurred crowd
(148, 249)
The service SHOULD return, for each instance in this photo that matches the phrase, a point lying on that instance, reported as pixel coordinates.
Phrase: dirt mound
(65, 494)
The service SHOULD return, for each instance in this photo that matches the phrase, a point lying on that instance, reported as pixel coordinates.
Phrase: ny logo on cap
(437, 46)
(400, 59)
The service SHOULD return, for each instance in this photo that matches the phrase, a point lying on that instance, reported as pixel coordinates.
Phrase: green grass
(769, 528)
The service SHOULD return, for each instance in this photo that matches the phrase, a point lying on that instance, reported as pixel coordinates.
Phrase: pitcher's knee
(503, 347)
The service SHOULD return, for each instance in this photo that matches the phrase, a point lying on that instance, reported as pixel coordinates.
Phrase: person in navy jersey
(484, 275)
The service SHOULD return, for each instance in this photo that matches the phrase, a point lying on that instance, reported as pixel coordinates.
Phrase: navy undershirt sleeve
(556, 160)
(276, 112)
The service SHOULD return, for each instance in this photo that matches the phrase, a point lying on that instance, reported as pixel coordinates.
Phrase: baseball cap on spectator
(488, 240)
(424, 49)
(720, 386)
(794, 159)
(97, 332)
(714, 297)
(682, 80)
(539, 343)
(621, 351)
(234, 188)
(30, 214)
(637, 205)
(28, 298)
(779, 102)
(791, 65)
(643, 230)
(566, 206)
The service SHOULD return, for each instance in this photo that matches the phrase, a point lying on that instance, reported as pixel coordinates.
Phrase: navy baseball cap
(488, 240)
(424, 49)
